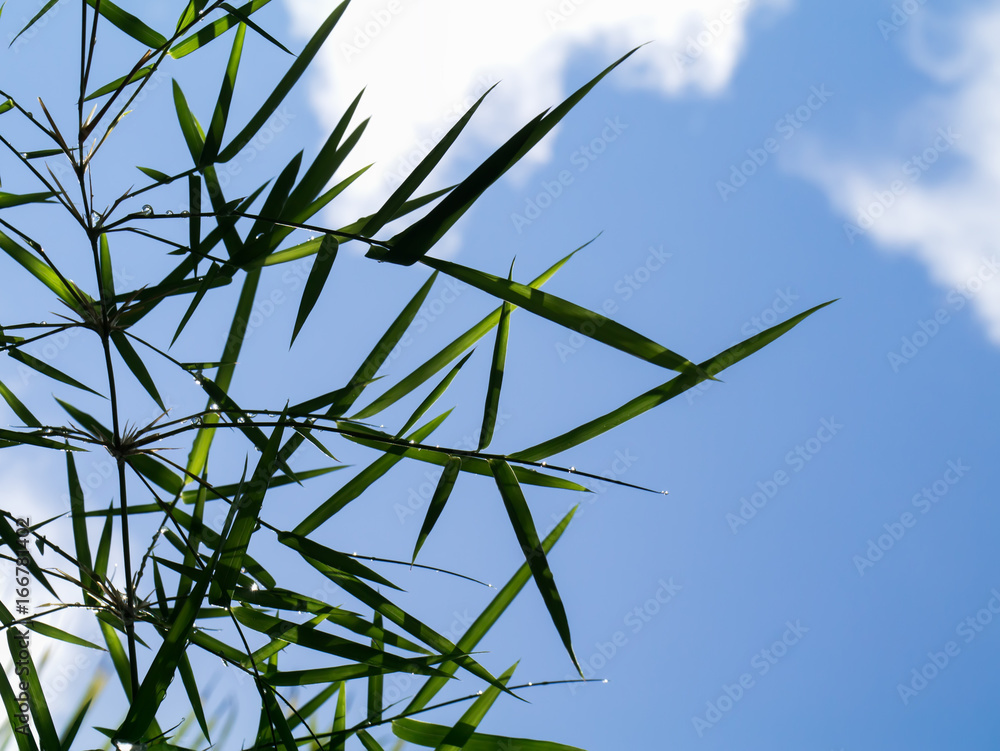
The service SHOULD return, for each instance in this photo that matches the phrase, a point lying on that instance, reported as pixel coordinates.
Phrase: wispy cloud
(935, 197)
(422, 65)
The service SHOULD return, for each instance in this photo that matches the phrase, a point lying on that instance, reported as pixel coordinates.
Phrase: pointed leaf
(534, 553)
(441, 494)
(316, 281)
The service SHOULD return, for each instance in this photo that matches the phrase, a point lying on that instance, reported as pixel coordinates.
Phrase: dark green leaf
(441, 494)
(316, 281)
(130, 24)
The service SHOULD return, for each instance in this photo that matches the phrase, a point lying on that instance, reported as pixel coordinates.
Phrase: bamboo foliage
(204, 582)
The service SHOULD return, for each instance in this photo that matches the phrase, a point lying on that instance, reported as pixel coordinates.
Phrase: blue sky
(809, 581)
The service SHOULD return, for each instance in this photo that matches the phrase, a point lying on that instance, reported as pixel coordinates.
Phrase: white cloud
(422, 64)
(936, 199)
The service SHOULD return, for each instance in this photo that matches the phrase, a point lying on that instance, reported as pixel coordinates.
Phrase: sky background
(831, 519)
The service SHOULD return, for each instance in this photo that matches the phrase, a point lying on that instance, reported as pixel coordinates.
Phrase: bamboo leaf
(194, 136)
(284, 86)
(317, 280)
(214, 30)
(452, 350)
(534, 553)
(246, 19)
(436, 393)
(194, 695)
(45, 9)
(565, 313)
(661, 393)
(492, 407)
(342, 562)
(120, 83)
(441, 494)
(213, 140)
(129, 24)
(48, 737)
(47, 370)
(137, 366)
(7, 200)
(410, 245)
(484, 623)
(359, 484)
(18, 407)
(433, 736)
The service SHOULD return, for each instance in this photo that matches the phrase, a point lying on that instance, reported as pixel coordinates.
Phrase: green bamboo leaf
(441, 494)
(107, 273)
(326, 163)
(492, 407)
(14, 438)
(208, 282)
(262, 238)
(39, 269)
(264, 112)
(247, 508)
(565, 313)
(6, 106)
(45, 9)
(226, 491)
(47, 370)
(452, 350)
(317, 280)
(15, 717)
(359, 484)
(90, 423)
(375, 684)
(661, 393)
(42, 154)
(137, 366)
(93, 691)
(213, 30)
(52, 632)
(436, 393)
(395, 202)
(157, 473)
(81, 537)
(153, 689)
(484, 623)
(8, 200)
(159, 177)
(246, 19)
(230, 354)
(321, 675)
(194, 695)
(18, 407)
(306, 636)
(368, 742)
(342, 562)
(464, 731)
(406, 621)
(130, 24)
(194, 136)
(384, 347)
(411, 244)
(534, 553)
(213, 140)
(120, 83)
(48, 737)
(434, 736)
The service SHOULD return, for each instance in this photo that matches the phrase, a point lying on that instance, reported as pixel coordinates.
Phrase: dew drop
(605, 680)
(254, 587)
(147, 210)
(530, 683)
(24, 154)
(169, 212)
(544, 464)
(572, 469)
(161, 531)
(184, 213)
(95, 217)
(479, 693)
(214, 407)
(240, 420)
